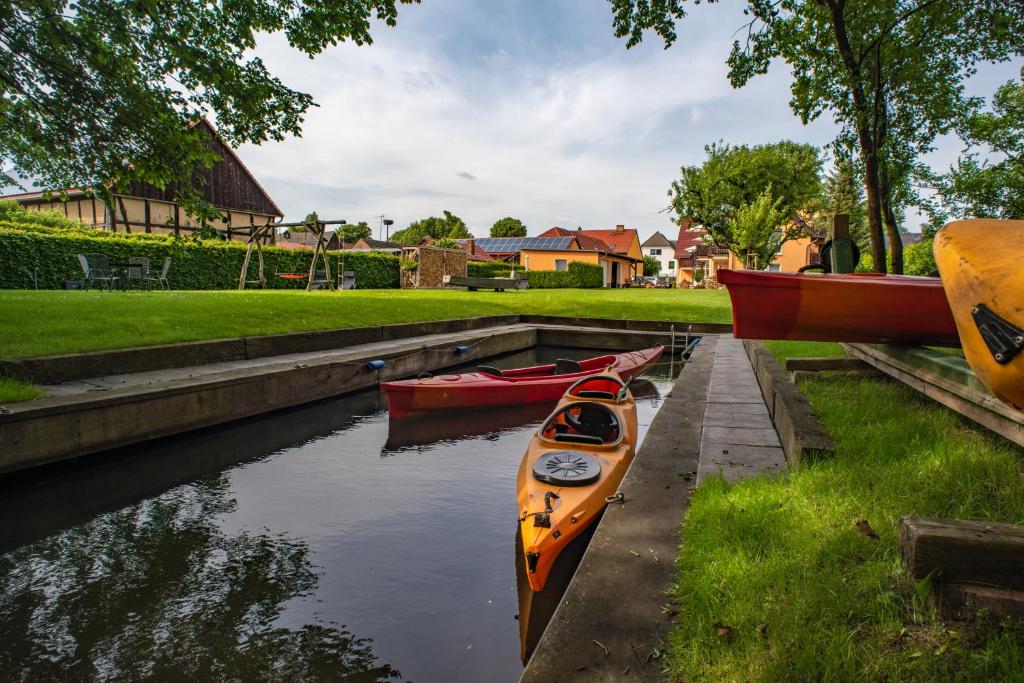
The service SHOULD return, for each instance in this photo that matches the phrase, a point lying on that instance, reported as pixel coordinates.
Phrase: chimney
(620, 228)
(471, 246)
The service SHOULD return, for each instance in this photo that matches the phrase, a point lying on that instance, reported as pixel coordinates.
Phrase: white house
(663, 249)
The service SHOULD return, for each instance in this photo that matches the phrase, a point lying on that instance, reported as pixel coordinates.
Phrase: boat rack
(945, 378)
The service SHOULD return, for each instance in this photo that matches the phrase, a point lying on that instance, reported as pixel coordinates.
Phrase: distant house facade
(227, 185)
(622, 259)
(555, 252)
(662, 248)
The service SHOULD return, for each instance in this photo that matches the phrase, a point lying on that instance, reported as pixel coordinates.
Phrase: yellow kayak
(980, 261)
(574, 462)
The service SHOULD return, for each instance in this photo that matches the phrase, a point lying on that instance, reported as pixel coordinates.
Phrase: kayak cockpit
(586, 422)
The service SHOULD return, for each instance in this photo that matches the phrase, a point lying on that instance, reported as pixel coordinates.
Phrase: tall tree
(449, 225)
(754, 230)
(734, 177)
(96, 93)
(990, 189)
(889, 71)
(844, 193)
(354, 232)
(508, 227)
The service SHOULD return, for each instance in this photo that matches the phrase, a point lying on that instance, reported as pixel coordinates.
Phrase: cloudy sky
(531, 109)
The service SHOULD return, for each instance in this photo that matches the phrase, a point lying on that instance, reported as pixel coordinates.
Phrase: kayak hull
(572, 509)
(979, 261)
(516, 387)
(860, 307)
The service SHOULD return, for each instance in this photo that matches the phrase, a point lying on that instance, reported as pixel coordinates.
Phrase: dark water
(314, 543)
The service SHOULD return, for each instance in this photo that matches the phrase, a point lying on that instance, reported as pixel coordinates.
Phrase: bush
(195, 264)
(490, 268)
(578, 276)
(13, 212)
(918, 259)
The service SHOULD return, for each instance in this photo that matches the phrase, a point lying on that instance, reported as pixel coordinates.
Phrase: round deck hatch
(567, 468)
(449, 378)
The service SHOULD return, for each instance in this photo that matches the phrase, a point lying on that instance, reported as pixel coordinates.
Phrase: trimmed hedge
(490, 268)
(212, 264)
(578, 276)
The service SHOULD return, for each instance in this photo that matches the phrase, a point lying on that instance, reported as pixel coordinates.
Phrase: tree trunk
(868, 149)
(893, 232)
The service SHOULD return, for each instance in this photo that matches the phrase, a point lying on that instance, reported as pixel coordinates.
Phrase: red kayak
(488, 386)
(858, 307)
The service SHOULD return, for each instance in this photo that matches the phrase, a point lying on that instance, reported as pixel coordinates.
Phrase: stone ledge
(803, 436)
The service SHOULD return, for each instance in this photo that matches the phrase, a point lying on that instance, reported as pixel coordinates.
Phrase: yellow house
(557, 252)
(228, 185)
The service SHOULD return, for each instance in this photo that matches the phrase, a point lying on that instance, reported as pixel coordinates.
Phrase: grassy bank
(12, 390)
(776, 582)
(51, 322)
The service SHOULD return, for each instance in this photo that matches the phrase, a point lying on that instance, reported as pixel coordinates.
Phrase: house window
(561, 264)
(655, 252)
(671, 265)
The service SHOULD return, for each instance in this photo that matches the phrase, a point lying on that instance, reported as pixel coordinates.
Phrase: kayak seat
(564, 366)
(594, 420)
(488, 370)
(579, 438)
(589, 393)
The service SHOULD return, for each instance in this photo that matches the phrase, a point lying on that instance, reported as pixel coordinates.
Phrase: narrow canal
(316, 543)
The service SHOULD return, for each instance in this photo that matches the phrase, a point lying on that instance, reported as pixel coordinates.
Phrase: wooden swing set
(259, 234)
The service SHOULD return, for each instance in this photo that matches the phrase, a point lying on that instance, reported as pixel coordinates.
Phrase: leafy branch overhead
(890, 73)
(95, 92)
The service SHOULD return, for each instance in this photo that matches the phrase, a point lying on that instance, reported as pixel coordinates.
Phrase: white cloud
(584, 132)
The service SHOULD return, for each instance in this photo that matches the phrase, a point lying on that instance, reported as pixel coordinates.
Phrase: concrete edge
(803, 436)
(71, 367)
(619, 592)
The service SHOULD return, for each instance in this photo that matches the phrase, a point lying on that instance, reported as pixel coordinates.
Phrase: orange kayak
(487, 387)
(575, 461)
(980, 264)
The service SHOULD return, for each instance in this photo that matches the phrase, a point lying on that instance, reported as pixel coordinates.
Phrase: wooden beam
(146, 204)
(124, 213)
(177, 220)
(819, 364)
(968, 552)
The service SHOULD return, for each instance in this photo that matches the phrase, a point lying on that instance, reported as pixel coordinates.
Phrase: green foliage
(733, 177)
(918, 259)
(448, 226)
(94, 91)
(652, 266)
(445, 243)
(13, 390)
(889, 72)
(784, 551)
(578, 276)
(844, 193)
(982, 189)
(194, 264)
(508, 227)
(13, 212)
(757, 231)
(491, 268)
(355, 232)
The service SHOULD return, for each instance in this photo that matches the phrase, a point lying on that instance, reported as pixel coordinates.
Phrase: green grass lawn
(37, 323)
(12, 390)
(806, 596)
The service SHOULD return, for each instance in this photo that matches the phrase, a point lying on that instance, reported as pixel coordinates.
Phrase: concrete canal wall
(105, 400)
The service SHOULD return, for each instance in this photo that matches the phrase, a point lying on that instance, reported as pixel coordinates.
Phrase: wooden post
(146, 205)
(177, 220)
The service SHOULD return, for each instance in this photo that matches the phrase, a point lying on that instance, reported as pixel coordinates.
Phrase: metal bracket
(1003, 339)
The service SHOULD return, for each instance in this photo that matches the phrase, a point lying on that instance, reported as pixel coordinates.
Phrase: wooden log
(959, 551)
(820, 364)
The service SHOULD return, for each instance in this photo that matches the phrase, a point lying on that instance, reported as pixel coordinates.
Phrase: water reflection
(239, 552)
(158, 590)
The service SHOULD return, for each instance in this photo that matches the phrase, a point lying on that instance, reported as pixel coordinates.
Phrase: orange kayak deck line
(980, 263)
(859, 307)
(512, 387)
(574, 463)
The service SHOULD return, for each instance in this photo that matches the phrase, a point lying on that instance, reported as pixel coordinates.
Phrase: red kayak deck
(513, 387)
(859, 307)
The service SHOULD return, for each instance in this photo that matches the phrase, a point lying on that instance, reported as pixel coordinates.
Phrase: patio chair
(161, 277)
(138, 271)
(96, 268)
